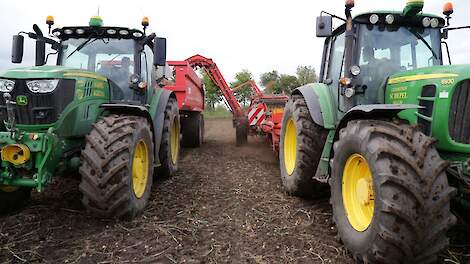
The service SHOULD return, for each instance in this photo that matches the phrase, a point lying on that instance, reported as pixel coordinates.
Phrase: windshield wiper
(416, 34)
(83, 44)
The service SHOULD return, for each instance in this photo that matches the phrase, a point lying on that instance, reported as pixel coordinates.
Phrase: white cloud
(257, 35)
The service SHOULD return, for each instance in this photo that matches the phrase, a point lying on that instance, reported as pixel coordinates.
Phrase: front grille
(459, 119)
(428, 93)
(41, 109)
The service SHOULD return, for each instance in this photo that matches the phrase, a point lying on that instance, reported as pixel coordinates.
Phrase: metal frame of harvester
(263, 116)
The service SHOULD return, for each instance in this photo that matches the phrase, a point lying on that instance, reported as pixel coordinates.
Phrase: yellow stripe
(85, 75)
(421, 77)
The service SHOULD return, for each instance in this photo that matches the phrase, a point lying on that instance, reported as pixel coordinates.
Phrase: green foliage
(276, 83)
(270, 81)
(213, 93)
(217, 112)
(287, 83)
(243, 95)
(306, 75)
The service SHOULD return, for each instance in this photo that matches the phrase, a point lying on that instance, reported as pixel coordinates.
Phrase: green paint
(22, 100)
(413, 7)
(96, 21)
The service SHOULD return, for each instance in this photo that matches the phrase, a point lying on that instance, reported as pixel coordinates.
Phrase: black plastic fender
(373, 111)
(159, 119)
(313, 102)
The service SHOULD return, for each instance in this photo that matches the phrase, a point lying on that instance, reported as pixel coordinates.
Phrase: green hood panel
(456, 72)
(49, 72)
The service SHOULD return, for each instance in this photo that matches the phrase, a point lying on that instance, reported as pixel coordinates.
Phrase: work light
(6, 86)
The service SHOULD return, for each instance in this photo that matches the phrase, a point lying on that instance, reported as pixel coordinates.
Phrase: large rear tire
(300, 149)
(193, 130)
(13, 198)
(117, 167)
(389, 193)
(170, 144)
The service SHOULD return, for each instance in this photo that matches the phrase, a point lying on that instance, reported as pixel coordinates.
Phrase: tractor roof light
(448, 9)
(96, 21)
(413, 7)
(123, 32)
(390, 19)
(145, 22)
(373, 19)
(349, 4)
(50, 20)
(426, 22)
(434, 23)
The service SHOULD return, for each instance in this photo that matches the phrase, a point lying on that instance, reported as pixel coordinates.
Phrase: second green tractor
(100, 111)
(388, 130)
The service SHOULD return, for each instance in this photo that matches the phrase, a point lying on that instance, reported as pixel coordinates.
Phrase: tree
(243, 94)
(213, 93)
(306, 74)
(270, 81)
(287, 83)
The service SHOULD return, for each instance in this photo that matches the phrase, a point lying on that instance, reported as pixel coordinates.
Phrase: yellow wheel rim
(175, 141)
(358, 193)
(140, 169)
(290, 147)
(8, 189)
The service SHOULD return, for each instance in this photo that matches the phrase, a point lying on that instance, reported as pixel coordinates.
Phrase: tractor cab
(361, 54)
(125, 56)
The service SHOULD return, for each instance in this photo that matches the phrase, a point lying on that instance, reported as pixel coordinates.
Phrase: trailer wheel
(300, 149)
(389, 193)
(241, 130)
(170, 144)
(117, 167)
(193, 130)
(13, 198)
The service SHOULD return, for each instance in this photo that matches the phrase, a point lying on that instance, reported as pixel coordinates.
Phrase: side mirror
(159, 52)
(17, 49)
(40, 52)
(324, 26)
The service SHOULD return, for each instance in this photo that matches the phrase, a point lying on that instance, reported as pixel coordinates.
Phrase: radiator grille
(459, 117)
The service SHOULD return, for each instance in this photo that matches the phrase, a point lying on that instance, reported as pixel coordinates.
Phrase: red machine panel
(187, 86)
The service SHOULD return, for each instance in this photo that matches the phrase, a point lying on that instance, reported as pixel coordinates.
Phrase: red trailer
(189, 91)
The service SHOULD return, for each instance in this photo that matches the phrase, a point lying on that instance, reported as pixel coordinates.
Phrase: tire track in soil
(225, 205)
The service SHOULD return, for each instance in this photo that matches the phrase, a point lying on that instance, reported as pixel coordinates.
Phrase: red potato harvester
(263, 116)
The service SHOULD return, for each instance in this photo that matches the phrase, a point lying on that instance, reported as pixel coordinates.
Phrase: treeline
(272, 83)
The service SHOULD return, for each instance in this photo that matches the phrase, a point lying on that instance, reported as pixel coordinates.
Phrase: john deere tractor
(100, 111)
(387, 128)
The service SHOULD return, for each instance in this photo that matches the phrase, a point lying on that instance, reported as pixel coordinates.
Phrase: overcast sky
(258, 35)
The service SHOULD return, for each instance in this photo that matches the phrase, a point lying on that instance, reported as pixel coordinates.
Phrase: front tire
(389, 193)
(300, 149)
(117, 167)
(170, 144)
(13, 198)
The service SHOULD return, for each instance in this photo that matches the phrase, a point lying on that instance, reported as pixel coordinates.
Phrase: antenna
(98, 11)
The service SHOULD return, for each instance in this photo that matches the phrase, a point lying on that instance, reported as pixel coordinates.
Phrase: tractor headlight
(42, 86)
(6, 86)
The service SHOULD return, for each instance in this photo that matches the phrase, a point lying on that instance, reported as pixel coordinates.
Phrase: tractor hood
(456, 73)
(49, 72)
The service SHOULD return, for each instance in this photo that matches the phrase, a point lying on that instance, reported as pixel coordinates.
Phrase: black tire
(107, 164)
(12, 200)
(193, 130)
(310, 139)
(169, 166)
(411, 194)
(241, 131)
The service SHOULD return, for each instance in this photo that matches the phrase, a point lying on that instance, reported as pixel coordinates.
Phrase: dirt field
(226, 205)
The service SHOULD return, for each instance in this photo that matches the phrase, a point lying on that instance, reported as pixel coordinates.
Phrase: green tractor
(100, 111)
(387, 128)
